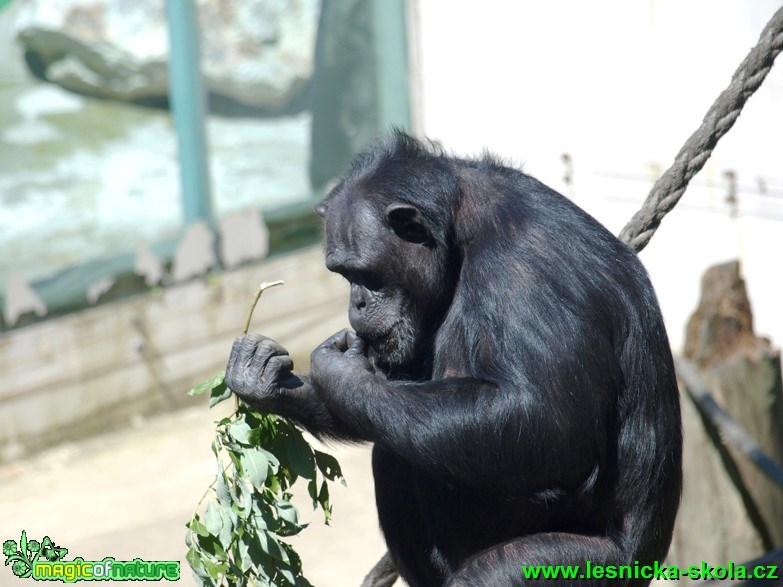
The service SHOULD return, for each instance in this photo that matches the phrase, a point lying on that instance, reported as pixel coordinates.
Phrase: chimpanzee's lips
(376, 337)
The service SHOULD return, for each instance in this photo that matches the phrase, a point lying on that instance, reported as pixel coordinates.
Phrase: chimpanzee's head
(388, 232)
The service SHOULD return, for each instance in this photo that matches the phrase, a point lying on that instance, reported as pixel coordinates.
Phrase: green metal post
(390, 27)
(187, 100)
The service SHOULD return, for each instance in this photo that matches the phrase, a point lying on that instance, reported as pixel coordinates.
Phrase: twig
(261, 289)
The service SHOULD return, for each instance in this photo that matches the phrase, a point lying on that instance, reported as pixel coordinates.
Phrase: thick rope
(721, 116)
(670, 187)
(383, 574)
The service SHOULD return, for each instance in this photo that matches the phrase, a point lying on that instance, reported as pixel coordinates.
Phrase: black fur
(510, 365)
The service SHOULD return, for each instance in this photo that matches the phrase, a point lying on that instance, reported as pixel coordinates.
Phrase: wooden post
(730, 510)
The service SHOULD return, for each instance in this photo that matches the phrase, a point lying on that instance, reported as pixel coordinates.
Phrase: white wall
(620, 85)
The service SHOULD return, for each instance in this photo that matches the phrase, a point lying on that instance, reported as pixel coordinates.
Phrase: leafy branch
(236, 540)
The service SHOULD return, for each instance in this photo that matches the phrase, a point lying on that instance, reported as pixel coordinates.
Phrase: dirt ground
(129, 494)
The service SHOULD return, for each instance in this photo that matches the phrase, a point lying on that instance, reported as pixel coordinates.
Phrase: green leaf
(323, 499)
(287, 512)
(247, 500)
(221, 489)
(274, 462)
(263, 516)
(328, 465)
(255, 552)
(312, 489)
(274, 484)
(196, 562)
(289, 576)
(210, 545)
(197, 527)
(209, 384)
(235, 455)
(226, 534)
(214, 570)
(204, 581)
(213, 520)
(323, 495)
(270, 545)
(300, 455)
(243, 548)
(219, 394)
(201, 388)
(255, 466)
(239, 431)
(296, 561)
(256, 436)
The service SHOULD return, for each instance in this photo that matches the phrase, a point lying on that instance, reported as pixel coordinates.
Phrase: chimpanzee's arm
(470, 430)
(462, 428)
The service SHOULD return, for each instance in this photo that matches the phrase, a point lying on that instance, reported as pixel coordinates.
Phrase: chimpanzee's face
(388, 254)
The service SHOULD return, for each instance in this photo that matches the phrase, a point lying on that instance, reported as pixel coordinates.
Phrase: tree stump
(730, 510)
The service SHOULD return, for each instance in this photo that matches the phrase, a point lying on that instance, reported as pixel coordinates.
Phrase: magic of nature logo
(43, 560)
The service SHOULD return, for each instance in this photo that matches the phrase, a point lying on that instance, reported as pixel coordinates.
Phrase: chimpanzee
(509, 363)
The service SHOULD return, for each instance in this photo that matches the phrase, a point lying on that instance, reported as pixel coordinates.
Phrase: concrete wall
(102, 367)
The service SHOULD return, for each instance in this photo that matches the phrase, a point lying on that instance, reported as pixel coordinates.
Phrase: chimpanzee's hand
(339, 358)
(256, 368)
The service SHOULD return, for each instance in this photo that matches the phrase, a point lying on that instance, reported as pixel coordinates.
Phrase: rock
(258, 53)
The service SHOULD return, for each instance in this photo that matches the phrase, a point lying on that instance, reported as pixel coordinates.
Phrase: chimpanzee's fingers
(350, 338)
(264, 349)
(241, 354)
(249, 356)
(339, 341)
(357, 346)
(281, 366)
(264, 343)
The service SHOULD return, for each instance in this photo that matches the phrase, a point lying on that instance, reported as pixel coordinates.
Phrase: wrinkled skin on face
(381, 248)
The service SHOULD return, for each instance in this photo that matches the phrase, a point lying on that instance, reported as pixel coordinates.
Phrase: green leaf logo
(22, 558)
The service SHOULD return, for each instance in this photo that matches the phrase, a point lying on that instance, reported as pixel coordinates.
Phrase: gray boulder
(258, 53)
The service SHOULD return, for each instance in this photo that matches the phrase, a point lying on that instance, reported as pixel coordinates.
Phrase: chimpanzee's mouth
(375, 338)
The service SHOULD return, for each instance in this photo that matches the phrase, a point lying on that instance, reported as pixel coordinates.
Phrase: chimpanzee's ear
(320, 209)
(408, 223)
